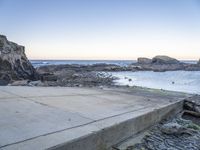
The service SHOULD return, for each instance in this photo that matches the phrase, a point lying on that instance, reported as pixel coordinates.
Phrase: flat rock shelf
(79, 118)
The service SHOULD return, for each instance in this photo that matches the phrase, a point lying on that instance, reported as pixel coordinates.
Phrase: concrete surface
(131, 141)
(79, 118)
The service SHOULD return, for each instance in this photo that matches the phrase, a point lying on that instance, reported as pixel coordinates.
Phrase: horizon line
(104, 59)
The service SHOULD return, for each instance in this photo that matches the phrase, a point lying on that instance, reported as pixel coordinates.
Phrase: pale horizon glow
(104, 29)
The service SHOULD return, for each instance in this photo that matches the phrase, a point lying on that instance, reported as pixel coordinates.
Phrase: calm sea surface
(183, 81)
(37, 63)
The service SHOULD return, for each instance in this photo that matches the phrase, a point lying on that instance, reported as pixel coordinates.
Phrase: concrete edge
(107, 137)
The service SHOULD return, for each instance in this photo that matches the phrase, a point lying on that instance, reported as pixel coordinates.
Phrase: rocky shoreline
(179, 133)
(98, 74)
(15, 69)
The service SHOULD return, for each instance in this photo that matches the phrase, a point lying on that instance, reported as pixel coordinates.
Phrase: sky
(103, 29)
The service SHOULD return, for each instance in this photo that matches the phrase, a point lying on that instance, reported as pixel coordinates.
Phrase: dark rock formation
(162, 63)
(77, 75)
(160, 60)
(198, 63)
(159, 63)
(173, 134)
(173, 128)
(77, 67)
(14, 64)
(164, 60)
(193, 104)
(143, 60)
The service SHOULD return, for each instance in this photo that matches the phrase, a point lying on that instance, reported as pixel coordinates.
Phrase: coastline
(109, 75)
(16, 69)
(92, 86)
(98, 74)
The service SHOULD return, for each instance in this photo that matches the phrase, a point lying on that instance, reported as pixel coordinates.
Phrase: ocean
(183, 81)
(38, 63)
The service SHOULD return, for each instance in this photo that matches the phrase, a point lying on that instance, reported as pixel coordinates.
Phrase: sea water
(183, 81)
(38, 63)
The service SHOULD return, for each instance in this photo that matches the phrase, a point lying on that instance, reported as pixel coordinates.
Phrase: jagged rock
(4, 79)
(192, 104)
(173, 128)
(164, 60)
(50, 77)
(143, 60)
(14, 64)
(175, 134)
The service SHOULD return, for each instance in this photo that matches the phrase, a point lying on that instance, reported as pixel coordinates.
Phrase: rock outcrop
(78, 75)
(159, 60)
(198, 63)
(14, 64)
(159, 63)
(163, 63)
(143, 60)
(164, 60)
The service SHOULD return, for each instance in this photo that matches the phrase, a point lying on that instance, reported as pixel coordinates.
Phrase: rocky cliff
(14, 64)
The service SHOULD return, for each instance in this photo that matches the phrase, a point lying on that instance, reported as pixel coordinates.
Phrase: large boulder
(160, 63)
(164, 60)
(143, 60)
(14, 64)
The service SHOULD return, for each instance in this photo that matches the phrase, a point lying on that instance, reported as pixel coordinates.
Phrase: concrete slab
(79, 118)
(5, 95)
(96, 135)
(100, 106)
(21, 120)
(48, 91)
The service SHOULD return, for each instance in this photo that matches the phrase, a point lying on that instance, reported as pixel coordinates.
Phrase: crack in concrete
(46, 105)
(74, 127)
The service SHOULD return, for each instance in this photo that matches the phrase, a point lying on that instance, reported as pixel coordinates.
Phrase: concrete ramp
(79, 118)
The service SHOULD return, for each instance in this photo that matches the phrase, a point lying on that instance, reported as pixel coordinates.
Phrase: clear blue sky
(103, 29)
